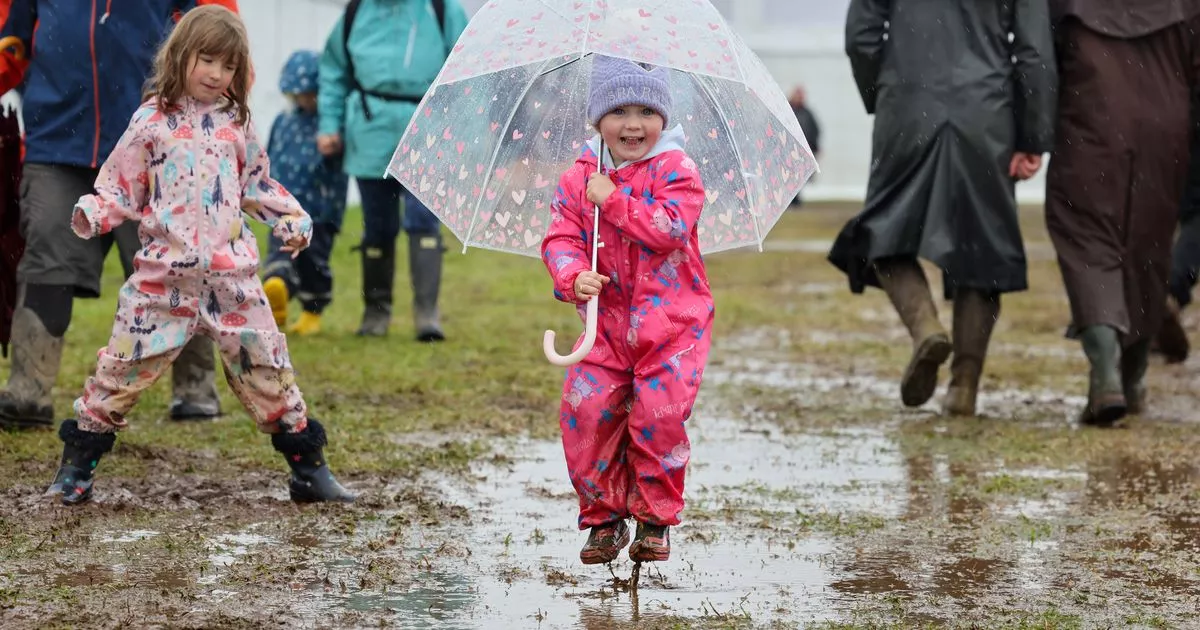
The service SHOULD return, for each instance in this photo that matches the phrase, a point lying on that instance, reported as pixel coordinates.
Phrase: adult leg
(55, 266)
(975, 315)
(906, 286)
(381, 226)
(425, 253)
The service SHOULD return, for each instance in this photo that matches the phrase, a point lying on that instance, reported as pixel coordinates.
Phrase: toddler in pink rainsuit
(624, 406)
(189, 168)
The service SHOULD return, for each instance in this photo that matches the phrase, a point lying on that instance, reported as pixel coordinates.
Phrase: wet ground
(814, 500)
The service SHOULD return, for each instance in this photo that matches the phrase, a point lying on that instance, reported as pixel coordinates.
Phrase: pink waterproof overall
(624, 407)
(188, 177)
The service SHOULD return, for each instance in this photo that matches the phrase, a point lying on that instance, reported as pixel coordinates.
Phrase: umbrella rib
(737, 154)
(492, 163)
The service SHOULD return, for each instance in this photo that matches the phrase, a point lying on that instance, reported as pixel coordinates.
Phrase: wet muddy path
(814, 500)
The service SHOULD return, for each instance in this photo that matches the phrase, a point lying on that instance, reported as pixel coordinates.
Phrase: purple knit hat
(618, 82)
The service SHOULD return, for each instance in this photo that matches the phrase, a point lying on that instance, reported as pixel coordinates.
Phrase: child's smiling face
(631, 131)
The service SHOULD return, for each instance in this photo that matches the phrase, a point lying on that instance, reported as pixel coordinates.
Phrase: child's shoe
(651, 544)
(81, 453)
(605, 543)
(277, 296)
(311, 481)
(308, 324)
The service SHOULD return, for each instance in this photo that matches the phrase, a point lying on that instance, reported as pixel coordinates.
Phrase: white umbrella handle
(589, 338)
(593, 307)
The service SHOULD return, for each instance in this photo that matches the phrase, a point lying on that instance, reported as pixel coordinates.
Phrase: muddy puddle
(835, 505)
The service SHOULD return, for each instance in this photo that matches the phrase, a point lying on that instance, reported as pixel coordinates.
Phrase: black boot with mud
(652, 543)
(1106, 402)
(605, 543)
(425, 252)
(82, 451)
(904, 282)
(1134, 361)
(36, 354)
(312, 481)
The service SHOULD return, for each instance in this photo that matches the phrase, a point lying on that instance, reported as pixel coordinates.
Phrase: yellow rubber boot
(308, 324)
(277, 296)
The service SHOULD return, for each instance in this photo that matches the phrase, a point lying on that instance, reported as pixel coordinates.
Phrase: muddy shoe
(605, 543)
(651, 544)
(82, 451)
(311, 481)
(921, 376)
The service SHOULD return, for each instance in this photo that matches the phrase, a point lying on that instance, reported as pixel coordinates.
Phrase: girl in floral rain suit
(187, 168)
(624, 407)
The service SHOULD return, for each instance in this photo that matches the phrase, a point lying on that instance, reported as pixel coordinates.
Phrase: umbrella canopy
(507, 116)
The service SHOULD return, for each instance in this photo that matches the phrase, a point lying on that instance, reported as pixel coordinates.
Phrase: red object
(11, 243)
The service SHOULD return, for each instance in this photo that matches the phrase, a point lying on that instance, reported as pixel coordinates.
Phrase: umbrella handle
(589, 339)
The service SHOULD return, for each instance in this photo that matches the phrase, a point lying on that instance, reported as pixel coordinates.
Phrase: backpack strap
(439, 10)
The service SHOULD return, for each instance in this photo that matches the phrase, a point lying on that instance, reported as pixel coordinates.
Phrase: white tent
(800, 41)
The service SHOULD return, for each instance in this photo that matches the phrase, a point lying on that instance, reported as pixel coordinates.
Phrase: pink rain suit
(624, 406)
(188, 177)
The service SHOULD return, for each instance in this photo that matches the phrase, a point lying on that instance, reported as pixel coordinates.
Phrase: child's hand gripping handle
(589, 338)
(593, 308)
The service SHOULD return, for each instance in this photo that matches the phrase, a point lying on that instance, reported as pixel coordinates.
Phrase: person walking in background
(189, 170)
(808, 122)
(379, 61)
(319, 184)
(961, 112)
(1116, 177)
(81, 81)
(1172, 340)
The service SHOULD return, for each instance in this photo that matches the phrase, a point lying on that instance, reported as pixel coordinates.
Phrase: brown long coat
(1117, 171)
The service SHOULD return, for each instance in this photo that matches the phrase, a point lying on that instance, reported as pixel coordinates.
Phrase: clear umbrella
(506, 117)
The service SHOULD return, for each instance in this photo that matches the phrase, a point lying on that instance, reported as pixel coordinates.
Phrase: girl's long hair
(207, 30)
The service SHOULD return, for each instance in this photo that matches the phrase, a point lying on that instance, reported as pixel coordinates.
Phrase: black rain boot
(27, 402)
(1106, 402)
(193, 382)
(82, 451)
(1134, 360)
(425, 252)
(378, 276)
(311, 479)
